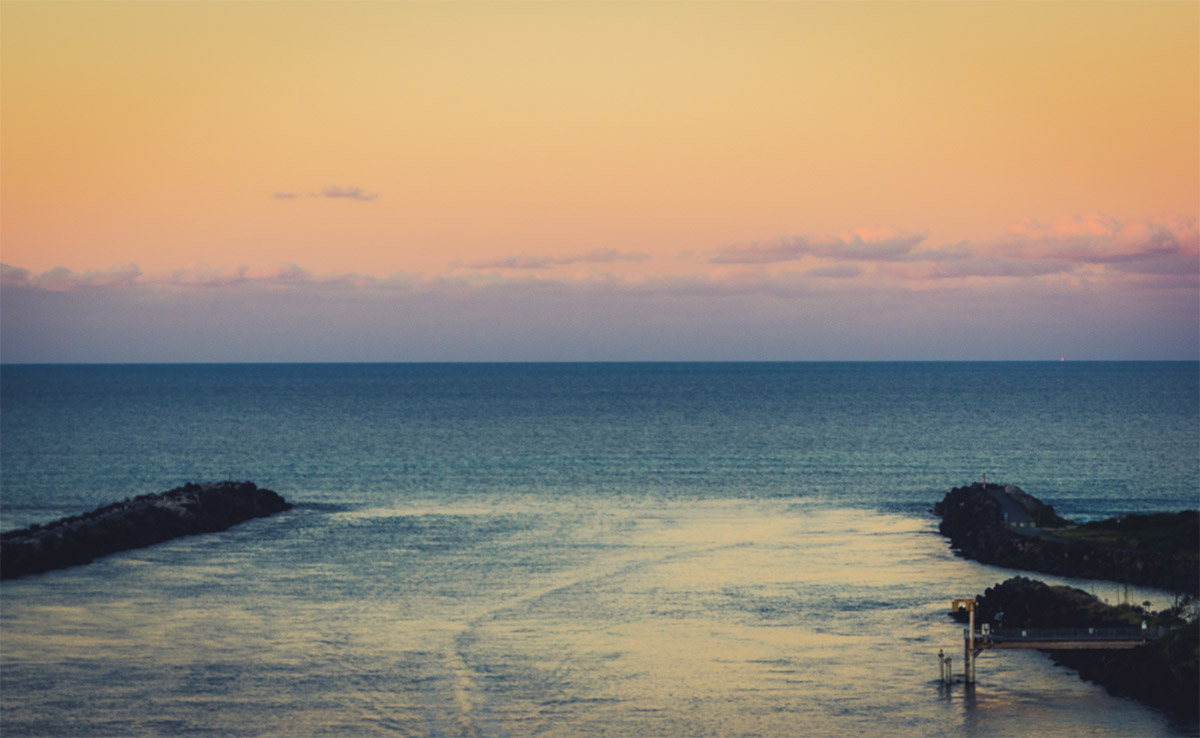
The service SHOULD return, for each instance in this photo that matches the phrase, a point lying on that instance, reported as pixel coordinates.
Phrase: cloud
(11, 276)
(204, 276)
(349, 193)
(1166, 264)
(276, 274)
(597, 256)
(1072, 226)
(949, 252)
(333, 192)
(1091, 245)
(991, 267)
(515, 262)
(839, 271)
(875, 244)
(699, 317)
(1086, 287)
(62, 279)
(279, 272)
(1161, 253)
(1147, 246)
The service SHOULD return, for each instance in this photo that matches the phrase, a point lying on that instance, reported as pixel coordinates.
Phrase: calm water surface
(568, 550)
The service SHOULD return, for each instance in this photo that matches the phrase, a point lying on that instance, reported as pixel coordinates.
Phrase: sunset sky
(327, 181)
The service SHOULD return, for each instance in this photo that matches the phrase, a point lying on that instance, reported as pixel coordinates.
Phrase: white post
(969, 664)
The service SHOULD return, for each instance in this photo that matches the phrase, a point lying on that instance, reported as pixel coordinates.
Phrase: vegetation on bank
(1171, 534)
(1165, 672)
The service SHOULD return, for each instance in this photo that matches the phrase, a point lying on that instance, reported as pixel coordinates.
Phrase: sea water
(565, 549)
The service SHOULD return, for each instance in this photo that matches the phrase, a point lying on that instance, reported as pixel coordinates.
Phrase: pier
(987, 638)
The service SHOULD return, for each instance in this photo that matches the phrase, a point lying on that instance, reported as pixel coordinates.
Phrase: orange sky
(891, 144)
(158, 133)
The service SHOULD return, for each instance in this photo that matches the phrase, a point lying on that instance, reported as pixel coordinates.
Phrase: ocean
(649, 549)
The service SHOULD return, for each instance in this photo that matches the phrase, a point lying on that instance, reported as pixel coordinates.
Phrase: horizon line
(483, 362)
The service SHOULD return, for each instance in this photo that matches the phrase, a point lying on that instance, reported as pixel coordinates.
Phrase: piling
(946, 675)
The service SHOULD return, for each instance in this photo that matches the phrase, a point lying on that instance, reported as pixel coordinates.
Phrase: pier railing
(1042, 639)
(976, 642)
(1070, 634)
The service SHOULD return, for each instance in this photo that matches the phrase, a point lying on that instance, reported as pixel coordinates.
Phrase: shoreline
(1003, 525)
(1162, 673)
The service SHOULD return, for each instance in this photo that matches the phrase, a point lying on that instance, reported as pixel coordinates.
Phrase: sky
(594, 181)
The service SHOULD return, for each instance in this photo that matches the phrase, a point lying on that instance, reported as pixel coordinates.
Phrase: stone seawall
(134, 523)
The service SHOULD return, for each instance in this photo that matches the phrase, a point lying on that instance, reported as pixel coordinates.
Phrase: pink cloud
(1147, 253)
(1148, 246)
(1091, 224)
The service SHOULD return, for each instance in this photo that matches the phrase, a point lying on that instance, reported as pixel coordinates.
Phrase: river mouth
(533, 617)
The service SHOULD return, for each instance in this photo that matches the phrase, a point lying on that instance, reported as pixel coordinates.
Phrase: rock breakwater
(1005, 526)
(133, 523)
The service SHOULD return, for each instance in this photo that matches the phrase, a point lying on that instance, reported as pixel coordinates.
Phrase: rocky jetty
(1163, 672)
(134, 523)
(1028, 603)
(1005, 526)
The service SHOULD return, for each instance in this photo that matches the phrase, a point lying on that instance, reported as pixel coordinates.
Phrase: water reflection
(531, 618)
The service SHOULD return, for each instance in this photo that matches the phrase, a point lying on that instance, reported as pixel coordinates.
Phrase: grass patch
(1092, 610)
(1174, 534)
